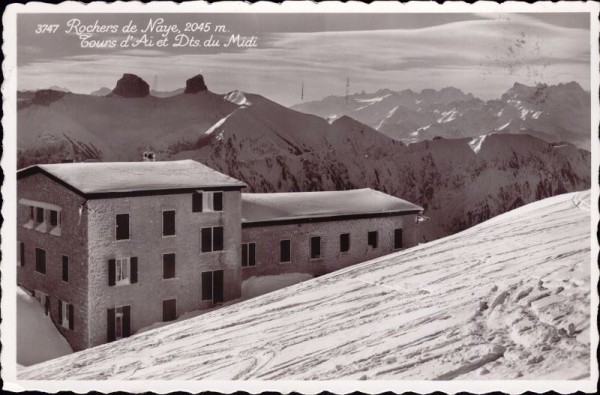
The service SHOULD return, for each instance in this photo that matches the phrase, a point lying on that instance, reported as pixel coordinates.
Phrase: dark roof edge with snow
(226, 184)
(315, 219)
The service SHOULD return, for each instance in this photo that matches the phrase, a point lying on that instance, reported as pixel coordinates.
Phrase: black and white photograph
(343, 196)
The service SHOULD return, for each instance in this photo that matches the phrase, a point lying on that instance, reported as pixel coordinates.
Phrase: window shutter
(71, 321)
(218, 286)
(126, 321)
(218, 201)
(110, 325)
(207, 290)
(251, 254)
(206, 239)
(197, 202)
(59, 312)
(133, 267)
(244, 255)
(218, 238)
(111, 272)
(22, 247)
(65, 268)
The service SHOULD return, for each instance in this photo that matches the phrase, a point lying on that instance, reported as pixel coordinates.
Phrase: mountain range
(552, 112)
(459, 181)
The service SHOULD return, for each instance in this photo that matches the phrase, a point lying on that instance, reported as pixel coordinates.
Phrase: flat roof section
(262, 209)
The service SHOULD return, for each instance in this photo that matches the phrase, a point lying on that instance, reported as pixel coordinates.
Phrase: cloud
(482, 56)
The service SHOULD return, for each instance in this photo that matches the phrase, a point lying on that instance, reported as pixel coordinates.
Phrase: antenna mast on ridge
(155, 83)
(347, 89)
(302, 92)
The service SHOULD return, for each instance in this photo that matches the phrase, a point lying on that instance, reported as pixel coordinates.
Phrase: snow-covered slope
(38, 340)
(554, 113)
(509, 298)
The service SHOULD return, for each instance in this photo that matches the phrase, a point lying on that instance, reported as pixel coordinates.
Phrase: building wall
(147, 243)
(267, 240)
(71, 242)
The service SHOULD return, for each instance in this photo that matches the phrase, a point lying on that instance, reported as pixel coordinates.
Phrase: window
(21, 253)
(345, 242)
(122, 226)
(212, 239)
(170, 310)
(372, 239)
(43, 216)
(65, 315)
(212, 286)
(40, 260)
(65, 268)
(315, 247)
(118, 323)
(218, 201)
(285, 251)
(397, 239)
(54, 218)
(248, 254)
(39, 216)
(122, 271)
(197, 202)
(211, 201)
(169, 223)
(168, 266)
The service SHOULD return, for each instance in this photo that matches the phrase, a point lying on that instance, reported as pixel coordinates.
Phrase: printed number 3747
(41, 29)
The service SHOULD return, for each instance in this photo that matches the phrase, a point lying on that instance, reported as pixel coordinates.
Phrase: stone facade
(71, 242)
(267, 239)
(88, 238)
(147, 244)
(86, 233)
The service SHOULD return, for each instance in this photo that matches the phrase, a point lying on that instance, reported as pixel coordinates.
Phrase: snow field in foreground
(252, 287)
(38, 340)
(509, 298)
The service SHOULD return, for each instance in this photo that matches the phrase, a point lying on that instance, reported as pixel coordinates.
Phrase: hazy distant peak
(104, 91)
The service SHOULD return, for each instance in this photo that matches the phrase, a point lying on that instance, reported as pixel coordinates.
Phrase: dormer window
(43, 217)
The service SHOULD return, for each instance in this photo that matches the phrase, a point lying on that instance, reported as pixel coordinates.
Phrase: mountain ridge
(273, 148)
(552, 112)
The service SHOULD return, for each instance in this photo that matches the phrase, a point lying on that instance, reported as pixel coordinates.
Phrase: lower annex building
(110, 248)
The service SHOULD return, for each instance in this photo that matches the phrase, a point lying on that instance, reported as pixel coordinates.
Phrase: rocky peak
(195, 84)
(130, 85)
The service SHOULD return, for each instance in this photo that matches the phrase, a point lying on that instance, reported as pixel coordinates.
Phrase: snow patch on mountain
(476, 143)
(216, 126)
(237, 97)
(448, 116)
(388, 116)
(504, 126)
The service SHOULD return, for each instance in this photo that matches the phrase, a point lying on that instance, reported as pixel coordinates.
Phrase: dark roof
(120, 179)
(278, 208)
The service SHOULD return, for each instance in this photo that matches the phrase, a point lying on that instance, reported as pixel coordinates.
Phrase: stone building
(320, 232)
(114, 247)
(110, 248)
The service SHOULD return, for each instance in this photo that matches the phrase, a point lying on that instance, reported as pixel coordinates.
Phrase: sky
(484, 54)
